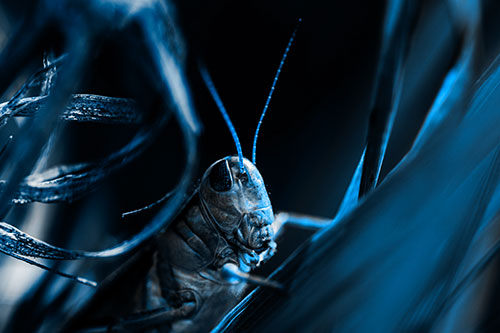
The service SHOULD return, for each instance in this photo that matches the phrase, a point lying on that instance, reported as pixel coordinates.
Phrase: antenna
(215, 96)
(254, 150)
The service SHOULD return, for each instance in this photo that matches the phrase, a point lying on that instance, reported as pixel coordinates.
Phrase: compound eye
(220, 178)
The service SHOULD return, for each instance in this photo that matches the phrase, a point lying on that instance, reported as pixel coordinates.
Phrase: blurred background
(309, 144)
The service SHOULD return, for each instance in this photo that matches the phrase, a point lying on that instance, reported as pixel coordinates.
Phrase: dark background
(314, 131)
(315, 128)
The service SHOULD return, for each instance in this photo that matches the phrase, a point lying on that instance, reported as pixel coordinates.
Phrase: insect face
(238, 203)
(232, 193)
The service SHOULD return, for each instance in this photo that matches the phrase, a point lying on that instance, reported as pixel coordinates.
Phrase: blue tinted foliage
(384, 180)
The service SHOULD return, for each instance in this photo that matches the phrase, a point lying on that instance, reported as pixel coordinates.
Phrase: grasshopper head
(239, 205)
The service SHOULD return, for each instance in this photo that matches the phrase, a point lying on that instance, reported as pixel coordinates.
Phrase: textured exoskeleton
(224, 231)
